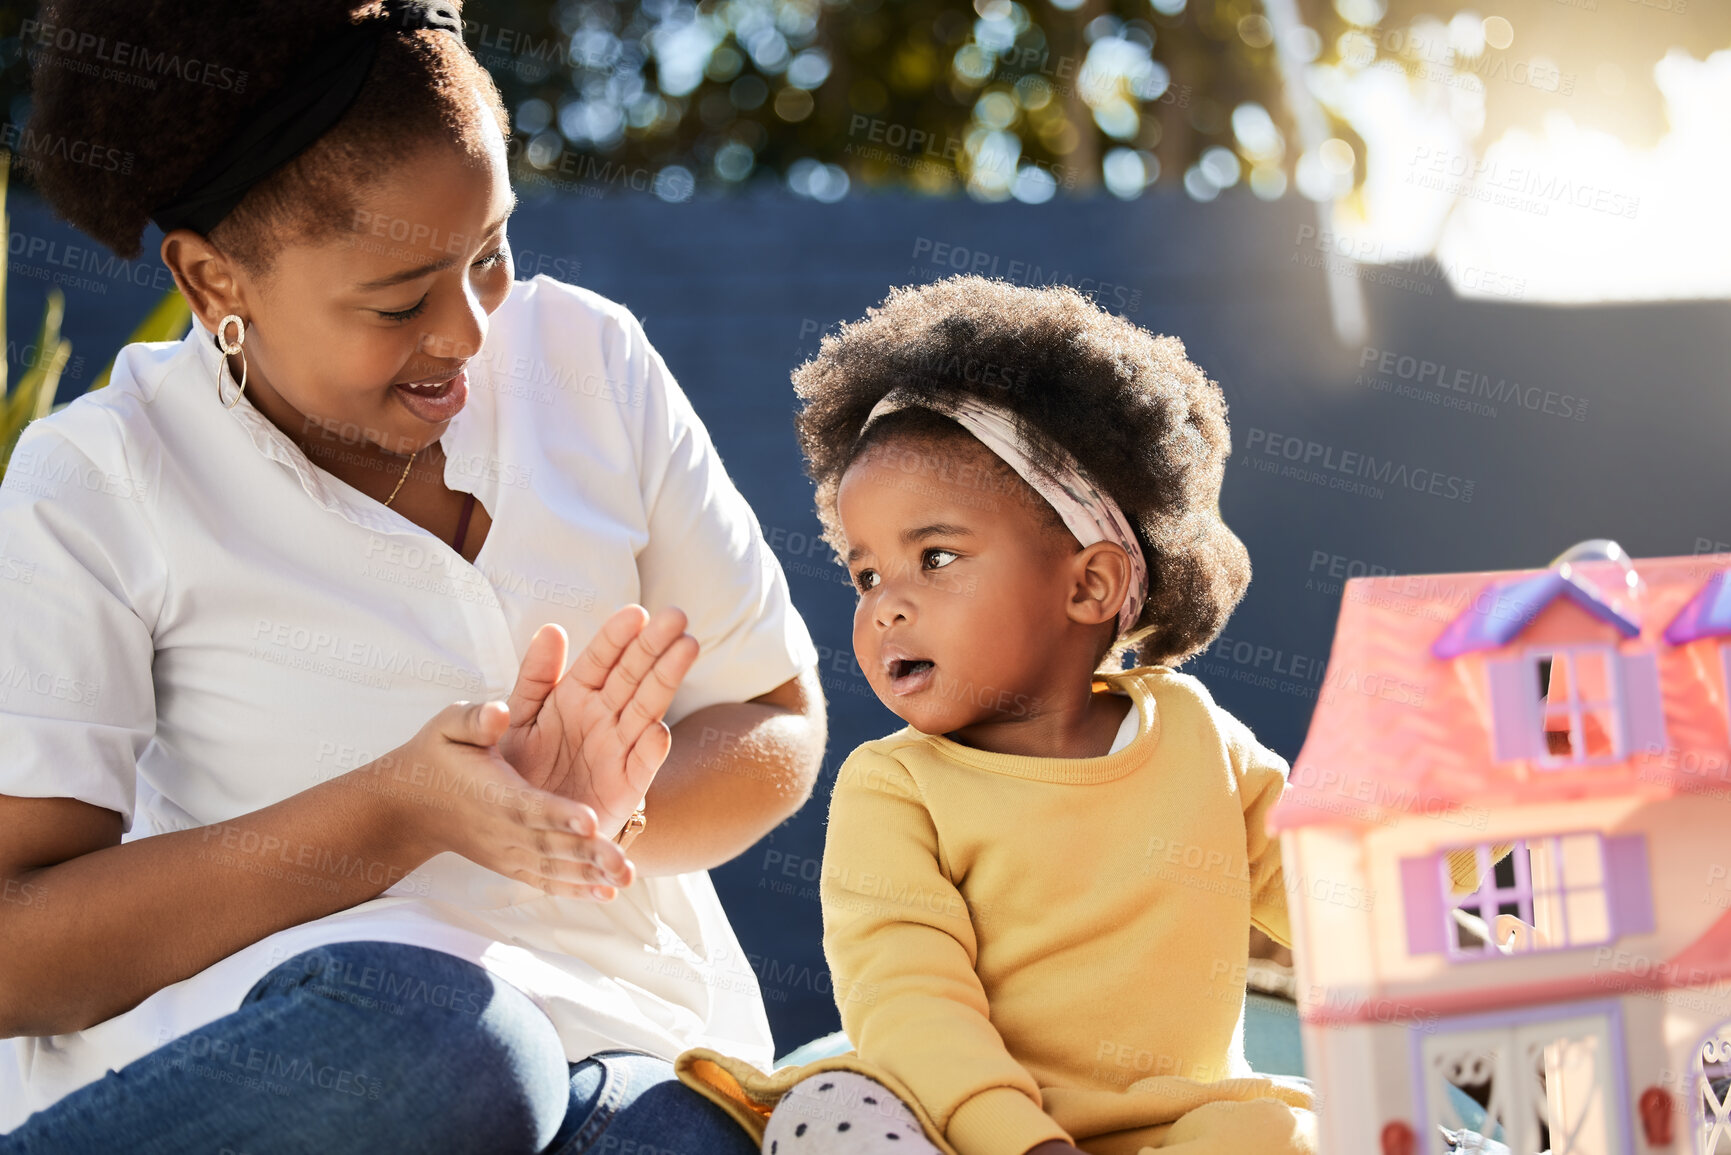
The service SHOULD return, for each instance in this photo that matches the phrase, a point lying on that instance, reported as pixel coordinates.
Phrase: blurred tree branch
(994, 98)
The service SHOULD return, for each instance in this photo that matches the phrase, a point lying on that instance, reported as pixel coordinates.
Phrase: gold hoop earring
(227, 348)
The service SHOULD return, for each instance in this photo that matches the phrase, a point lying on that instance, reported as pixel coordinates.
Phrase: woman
(241, 911)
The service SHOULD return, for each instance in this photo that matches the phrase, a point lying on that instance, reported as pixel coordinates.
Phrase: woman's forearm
(110, 923)
(734, 773)
(75, 901)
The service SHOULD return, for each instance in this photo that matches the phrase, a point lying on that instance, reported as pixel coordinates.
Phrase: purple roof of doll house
(1707, 615)
(1491, 622)
(1399, 730)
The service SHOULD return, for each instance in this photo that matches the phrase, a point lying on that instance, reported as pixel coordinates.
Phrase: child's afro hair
(192, 71)
(1145, 424)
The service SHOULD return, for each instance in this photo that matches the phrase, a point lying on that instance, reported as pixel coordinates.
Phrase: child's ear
(1100, 583)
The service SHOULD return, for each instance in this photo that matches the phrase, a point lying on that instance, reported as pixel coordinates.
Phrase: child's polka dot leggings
(843, 1113)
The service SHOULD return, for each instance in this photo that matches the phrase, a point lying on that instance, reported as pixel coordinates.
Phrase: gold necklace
(405, 475)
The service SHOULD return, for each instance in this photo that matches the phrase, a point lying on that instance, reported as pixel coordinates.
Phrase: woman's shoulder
(564, 317)
(550, 337)
(115, 428)
(548, 294)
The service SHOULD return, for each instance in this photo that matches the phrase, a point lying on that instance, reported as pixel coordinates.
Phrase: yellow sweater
(1008, 930)
(1042, 948)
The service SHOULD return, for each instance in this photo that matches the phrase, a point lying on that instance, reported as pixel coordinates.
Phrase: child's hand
(594, 733)
(1054, 1147)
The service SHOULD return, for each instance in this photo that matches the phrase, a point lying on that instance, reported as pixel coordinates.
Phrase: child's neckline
(1076, 771)
(1128, 728)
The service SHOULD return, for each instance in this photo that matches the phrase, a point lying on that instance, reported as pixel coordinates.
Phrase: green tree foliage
(1002, 97)
(994, 98)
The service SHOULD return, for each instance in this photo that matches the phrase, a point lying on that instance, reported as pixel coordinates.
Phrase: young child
(1037, 897)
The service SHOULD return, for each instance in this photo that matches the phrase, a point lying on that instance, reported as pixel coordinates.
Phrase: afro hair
(163, 84)
(1144, 423)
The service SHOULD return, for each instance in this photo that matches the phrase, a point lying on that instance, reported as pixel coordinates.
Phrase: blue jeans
(380, 1047)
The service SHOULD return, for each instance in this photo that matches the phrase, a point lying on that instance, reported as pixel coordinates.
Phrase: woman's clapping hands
(594, 733)
(537, 787)
(451, 790)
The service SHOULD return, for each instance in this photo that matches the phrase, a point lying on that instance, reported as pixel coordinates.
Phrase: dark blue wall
(1625, 437)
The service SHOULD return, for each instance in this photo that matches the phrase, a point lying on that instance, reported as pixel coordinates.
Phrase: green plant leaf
(5, 260)
(33, 396)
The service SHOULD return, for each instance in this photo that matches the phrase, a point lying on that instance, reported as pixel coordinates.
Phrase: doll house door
(1712, 1086)
(1546, 1086)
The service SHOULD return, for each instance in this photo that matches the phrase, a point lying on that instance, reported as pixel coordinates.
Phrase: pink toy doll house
(1506, 849)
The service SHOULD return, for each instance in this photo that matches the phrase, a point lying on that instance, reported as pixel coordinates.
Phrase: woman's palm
(594, 733)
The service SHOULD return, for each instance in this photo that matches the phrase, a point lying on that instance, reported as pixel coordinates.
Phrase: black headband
(296, 115)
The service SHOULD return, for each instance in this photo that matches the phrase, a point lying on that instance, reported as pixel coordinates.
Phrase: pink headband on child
(1089, 514)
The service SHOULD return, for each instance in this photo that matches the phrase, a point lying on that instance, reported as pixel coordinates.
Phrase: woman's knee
(458, 1055)
(625, 1101)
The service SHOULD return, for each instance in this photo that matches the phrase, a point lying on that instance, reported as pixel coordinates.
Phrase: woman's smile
(435, 402)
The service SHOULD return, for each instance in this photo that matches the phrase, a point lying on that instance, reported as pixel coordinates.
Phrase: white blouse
(200, 622)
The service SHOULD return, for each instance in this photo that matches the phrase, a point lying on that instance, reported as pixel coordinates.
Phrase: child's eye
(498, 256)
(866, 579)
(938, 558)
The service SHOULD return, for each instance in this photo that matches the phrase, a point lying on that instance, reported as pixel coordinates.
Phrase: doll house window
(1551, 892)
(1565, 706)
(1578, 695)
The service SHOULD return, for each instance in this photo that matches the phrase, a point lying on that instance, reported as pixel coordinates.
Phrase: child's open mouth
(908, 675)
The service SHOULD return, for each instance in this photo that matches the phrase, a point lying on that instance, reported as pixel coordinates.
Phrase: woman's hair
(163, 84)
(1143, 422)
